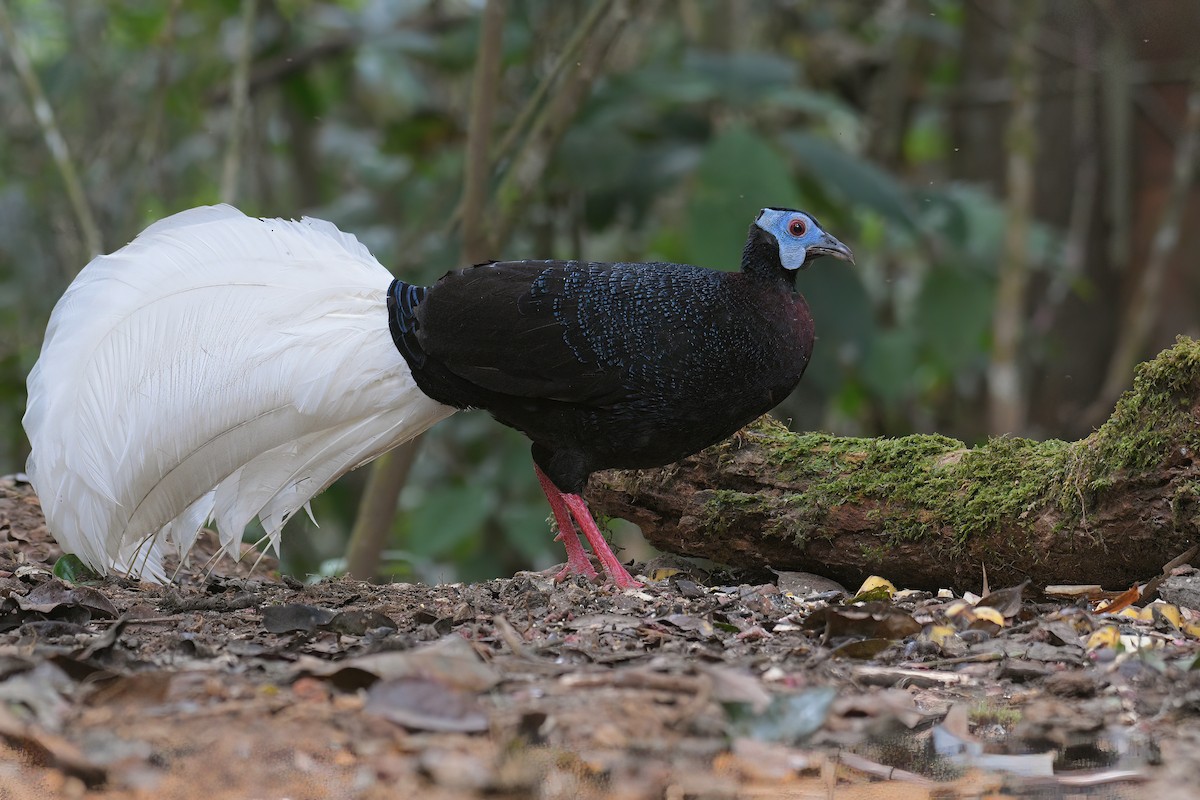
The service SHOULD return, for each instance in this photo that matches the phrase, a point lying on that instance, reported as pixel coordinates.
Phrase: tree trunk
(926, 511)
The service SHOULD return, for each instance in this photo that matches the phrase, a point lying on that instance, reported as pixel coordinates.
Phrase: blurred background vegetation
(1014, 179)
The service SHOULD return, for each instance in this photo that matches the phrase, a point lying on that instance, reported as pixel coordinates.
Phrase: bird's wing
(546, 329)
(218, 366)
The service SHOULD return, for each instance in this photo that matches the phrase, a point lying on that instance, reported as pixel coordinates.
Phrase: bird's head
(789, 240)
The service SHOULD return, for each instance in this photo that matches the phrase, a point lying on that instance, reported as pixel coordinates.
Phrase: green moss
(988, 712)
(1157, 414)
(719, 501)
(914, 486)
(874, 554)
(922, 483)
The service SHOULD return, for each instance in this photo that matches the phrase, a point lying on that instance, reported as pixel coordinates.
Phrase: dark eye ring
(797, 227)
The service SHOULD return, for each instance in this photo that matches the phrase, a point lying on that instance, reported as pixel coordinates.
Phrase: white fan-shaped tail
(219, 366)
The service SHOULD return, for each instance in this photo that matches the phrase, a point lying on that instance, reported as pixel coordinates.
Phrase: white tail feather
(218, 366)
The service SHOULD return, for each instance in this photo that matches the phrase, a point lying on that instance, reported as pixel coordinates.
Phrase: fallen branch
(927, 511)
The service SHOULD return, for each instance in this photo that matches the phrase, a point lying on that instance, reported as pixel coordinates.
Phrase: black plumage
(617, 365)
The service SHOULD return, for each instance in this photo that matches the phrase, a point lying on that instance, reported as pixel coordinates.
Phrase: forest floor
(240, 685)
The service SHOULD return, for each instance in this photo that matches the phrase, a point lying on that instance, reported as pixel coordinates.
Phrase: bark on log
(926, 511)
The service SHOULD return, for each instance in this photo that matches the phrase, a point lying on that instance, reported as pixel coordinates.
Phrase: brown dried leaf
(687, 622)
(802, 584)
(861, 649)
(450, 660)
(1006, 601)
(427, 704)
(1123, 600)
(295, 617)
(870, 621)
(47, 596)
(737, 686)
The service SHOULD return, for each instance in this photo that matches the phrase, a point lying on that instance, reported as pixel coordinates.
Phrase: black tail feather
(402, 301)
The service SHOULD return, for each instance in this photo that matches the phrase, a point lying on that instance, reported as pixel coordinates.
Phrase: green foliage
(446, 519)
(854, 180)
(71, 569)
(737, 170)
(952, 317)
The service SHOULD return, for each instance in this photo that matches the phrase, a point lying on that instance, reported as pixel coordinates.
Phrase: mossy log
(926, 511)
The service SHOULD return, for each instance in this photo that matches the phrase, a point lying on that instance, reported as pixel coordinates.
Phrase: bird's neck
(760, 263)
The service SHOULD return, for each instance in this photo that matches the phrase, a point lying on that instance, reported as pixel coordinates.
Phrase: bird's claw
(572, 568)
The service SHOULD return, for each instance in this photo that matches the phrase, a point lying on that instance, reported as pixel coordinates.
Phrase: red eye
(797, 227)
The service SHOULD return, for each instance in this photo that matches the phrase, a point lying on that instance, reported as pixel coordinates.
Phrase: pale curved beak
(829, 246)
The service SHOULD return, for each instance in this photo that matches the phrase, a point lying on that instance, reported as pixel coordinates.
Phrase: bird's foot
(569, 570)
(566, 505)
(616, 571)
(577, 561)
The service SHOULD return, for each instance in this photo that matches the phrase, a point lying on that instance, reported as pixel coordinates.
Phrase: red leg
(617, 573)
(577, 560)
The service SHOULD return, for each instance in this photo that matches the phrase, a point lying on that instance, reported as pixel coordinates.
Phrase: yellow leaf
(1108, 636)
(662, 573)
(990, 615)
(1170, 613)
(1131, 613)
(938, 634)
(877, 595)
(1192, 629)
(959, 607)
(875, 582)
